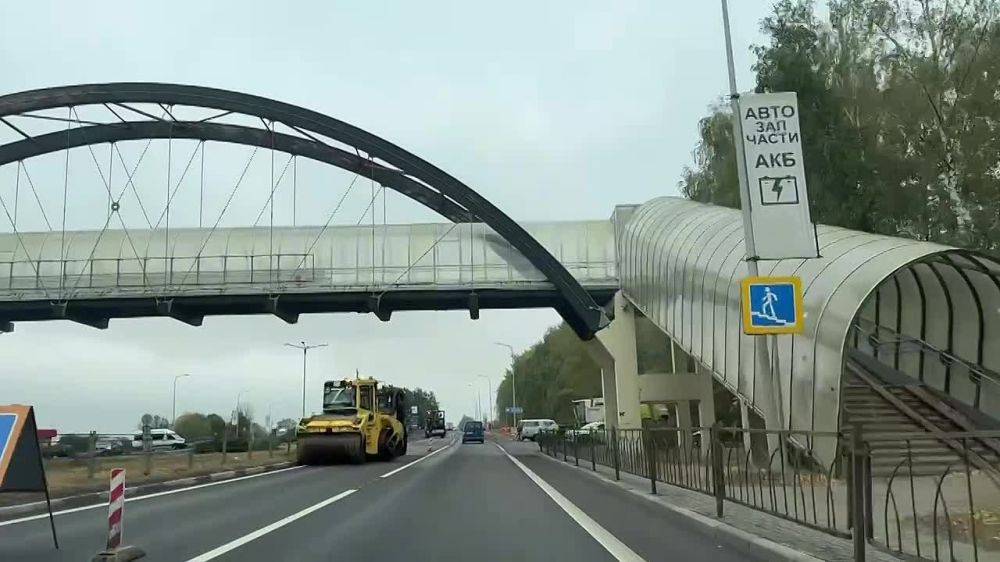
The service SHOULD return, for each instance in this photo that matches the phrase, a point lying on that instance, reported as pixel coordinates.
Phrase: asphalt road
(459, 502)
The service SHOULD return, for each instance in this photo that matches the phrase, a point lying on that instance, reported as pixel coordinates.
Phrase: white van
(160, 439)
(529, 429)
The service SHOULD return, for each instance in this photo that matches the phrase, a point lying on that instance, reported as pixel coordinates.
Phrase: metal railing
(179, 273)
(925, 507)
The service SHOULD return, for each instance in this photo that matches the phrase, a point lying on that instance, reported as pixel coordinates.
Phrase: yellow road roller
(360, 421)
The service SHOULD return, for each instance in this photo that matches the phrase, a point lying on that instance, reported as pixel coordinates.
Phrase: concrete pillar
(682, 408)
(614, 350)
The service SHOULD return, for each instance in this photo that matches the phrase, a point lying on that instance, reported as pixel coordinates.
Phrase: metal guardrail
(915, 508)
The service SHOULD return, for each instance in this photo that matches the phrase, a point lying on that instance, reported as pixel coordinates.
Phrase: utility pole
(513, 385)
(305, 351)
(236, 414)
(173, 411)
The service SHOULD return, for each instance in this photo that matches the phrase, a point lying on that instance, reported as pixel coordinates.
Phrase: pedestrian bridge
(93, 276)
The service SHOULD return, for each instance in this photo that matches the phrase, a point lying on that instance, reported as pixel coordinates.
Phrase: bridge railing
(80, 277)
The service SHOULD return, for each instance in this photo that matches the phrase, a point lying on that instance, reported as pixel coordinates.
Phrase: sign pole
(762, 363)
(45, 484)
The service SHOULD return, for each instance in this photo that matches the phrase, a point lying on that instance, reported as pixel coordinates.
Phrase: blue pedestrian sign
(772, 305)
(514, 410)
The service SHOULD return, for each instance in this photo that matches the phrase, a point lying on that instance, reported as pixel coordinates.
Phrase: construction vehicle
(359, 421)
(434, 423)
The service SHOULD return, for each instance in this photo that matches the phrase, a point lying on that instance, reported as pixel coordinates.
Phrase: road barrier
(116, 508)
(921, 505)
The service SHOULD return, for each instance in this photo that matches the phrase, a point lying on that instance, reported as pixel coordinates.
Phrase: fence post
(250, 444)
(190, 451)
(564, 447)
(270, 445)
(147, 446)
(614, 452)
(718, 471)
(576, 448)
(651, 458)
(858, 493)
(225, 436)
(91, 454)
(593, 457)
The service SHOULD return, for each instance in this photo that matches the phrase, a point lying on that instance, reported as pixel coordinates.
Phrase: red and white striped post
(116, 508)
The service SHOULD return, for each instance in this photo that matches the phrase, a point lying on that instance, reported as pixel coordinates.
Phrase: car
(529, 429)
(109, 447)
(473, 431)
(160, 439)
(585, 431)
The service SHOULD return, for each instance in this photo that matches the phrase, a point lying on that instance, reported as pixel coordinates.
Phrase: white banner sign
(779, 203)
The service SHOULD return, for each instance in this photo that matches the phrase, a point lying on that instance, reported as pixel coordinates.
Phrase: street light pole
(513, 385)
(305, 351)
(489, 381)
(173, 411)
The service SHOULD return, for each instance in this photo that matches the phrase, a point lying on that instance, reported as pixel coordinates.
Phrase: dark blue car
(473, 431)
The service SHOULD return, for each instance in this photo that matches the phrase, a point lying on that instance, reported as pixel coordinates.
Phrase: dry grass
(67, 477)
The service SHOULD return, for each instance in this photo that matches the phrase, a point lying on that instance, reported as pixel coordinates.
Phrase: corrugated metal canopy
(681, 262)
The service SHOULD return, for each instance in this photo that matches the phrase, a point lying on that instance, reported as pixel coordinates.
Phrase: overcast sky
(552, 110)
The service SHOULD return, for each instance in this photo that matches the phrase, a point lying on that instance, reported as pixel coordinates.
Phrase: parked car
(110, 447)
(473, 431)
(529, 429)
(160, 439)
(585, 431)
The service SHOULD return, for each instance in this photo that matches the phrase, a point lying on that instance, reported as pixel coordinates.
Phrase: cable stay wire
(326, 225)
(222, 213)
(416, 261)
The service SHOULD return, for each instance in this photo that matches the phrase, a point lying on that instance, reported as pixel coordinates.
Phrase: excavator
(360, 421)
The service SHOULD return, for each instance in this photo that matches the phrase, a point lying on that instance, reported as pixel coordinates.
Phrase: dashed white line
(219, 551)
(615, 547)
(408, 465)
(145, 497)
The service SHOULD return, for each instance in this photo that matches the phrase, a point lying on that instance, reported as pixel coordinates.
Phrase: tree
(193, 426)
(898, 113)
(154, 421)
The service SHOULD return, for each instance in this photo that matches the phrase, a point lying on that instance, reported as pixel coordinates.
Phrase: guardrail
(923, 507)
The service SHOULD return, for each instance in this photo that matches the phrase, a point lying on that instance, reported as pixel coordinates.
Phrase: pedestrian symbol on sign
(772, 305)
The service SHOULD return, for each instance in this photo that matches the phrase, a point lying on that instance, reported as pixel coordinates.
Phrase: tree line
(899, 105)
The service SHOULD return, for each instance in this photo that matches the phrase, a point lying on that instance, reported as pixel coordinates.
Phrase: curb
(91, 498)
(742, 541)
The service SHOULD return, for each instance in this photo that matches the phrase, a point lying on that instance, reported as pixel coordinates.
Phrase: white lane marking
(219, 551)
(409, 464)
(615, 547)
(145, 497)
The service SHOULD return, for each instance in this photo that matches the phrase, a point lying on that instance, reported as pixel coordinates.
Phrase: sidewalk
(738, 519)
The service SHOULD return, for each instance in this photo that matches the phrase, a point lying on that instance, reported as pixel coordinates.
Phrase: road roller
(360, 421)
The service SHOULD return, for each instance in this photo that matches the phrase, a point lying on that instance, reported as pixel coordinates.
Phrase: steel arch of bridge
(405, 173)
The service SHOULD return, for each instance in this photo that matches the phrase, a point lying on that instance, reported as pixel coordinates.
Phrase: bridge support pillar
(614, 350)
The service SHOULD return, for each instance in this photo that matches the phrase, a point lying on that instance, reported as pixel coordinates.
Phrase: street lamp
(236, 414)
(173, 414)
(513, 386)
(489, 381)
(479, 401)
(305, 350)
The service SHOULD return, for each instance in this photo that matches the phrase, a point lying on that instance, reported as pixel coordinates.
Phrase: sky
(553, 111)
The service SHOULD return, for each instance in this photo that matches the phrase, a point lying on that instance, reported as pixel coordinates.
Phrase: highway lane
(185, 523)
(463, 502)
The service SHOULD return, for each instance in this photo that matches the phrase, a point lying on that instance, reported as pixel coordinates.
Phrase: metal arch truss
(404, 172)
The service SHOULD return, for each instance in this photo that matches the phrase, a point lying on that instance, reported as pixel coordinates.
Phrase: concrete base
(120, 554)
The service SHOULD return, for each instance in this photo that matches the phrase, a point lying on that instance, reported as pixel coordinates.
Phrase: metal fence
(939, 501)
